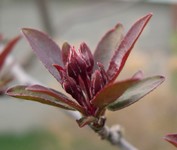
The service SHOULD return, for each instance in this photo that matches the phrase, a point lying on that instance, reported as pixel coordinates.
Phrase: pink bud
(97, 82)
(87, 56)
(76, 65)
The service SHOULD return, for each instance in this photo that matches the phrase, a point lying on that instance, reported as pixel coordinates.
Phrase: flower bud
(87, 56)
(72, 88)
(97, 82)
(76, 65)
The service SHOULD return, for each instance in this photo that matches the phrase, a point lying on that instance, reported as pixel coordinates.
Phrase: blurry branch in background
(16, 70)
(89, 13)
(19, 73)
(44, 12)
(82, 15)
(174, 28)
(174, 17)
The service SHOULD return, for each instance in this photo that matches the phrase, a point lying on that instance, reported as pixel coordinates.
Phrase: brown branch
(115, 137)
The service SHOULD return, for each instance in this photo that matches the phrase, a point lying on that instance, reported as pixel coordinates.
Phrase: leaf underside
(136, 92)
(121, 54)
(107, 46)
(58, 95)
(22, 93)
(46, 50)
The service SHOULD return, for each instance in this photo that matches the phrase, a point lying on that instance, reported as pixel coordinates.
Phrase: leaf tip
(162, 78)
(26, 30)
(149, 15)
(29, 31)
(9, 91)
(118, 25)
(138, 75)
(171, 138)
(168, 137)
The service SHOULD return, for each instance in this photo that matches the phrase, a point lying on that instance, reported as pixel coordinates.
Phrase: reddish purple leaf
(172, 138)
(135, 92)
(107, 46)
(87, 56)
(97, 82)
(112, 92)
(46, 50)
(45, 98)
(59, 96)
(125, 47)
(7, 49)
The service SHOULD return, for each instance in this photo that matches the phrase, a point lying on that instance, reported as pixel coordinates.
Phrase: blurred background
(33, 126)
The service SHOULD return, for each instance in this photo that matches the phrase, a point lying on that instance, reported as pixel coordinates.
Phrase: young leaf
(23, 93)
(59, 96)
(136, 92)
(172, 138)
(46, 50)
(111, 92)
(87, 56)
(7, 49)
(125, 47)
(107, 46)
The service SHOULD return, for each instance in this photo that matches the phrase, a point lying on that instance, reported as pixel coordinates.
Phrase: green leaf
(136, 92)
(42, 95)
(111, 92)
(107, 46)
(86, 120)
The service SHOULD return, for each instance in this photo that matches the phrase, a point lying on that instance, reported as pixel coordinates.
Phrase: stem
(115, 137)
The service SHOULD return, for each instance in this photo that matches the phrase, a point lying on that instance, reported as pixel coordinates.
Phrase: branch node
(115, 134)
